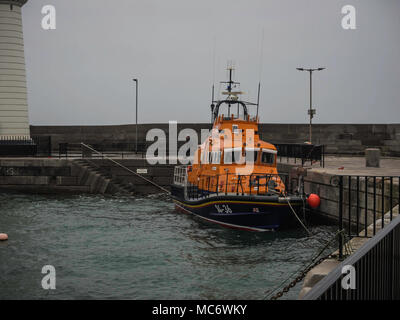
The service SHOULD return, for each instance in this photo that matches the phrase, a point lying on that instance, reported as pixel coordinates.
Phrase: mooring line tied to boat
(310, 234)
(127, 169)
(297, 217)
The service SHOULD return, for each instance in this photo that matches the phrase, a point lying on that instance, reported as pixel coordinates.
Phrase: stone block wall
(40, 176)
(339, 138)
(326, 187)
(67, 176)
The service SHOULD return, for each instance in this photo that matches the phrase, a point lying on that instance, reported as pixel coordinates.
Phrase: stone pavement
(353, 166)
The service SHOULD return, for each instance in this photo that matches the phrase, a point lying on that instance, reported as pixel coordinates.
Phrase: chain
(348, 248)
(299, 278)
(304, 272)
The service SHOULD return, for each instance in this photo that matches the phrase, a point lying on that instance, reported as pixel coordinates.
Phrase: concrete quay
(355, 165)
(53, 175)
(323, 181)
(319, 180)
(63, 175)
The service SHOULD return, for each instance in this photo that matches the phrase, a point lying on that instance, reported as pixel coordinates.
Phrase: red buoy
(3, 237)
(313, 200)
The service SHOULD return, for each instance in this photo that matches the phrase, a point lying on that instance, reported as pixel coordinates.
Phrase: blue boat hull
(255, 213)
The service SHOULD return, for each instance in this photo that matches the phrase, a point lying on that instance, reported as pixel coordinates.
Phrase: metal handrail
(75, 150)
(302, 151)
(127, 169)
(361, 200)
(335, 275)
(180, 175)
(208, 185)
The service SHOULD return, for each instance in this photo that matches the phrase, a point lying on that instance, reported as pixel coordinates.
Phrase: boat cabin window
(251, 155)
(232, 155)
(268, 156)
(235, 109)
(203, 156)
(214, 157)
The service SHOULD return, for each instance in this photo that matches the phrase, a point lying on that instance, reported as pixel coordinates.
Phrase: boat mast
(230, 84)
(212, 105)
(260, 69)
(258, 97)
(230, 88)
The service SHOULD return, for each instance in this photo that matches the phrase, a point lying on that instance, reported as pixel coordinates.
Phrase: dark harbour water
(139, 248)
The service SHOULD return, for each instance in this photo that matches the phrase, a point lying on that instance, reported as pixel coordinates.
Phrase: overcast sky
(81, 73)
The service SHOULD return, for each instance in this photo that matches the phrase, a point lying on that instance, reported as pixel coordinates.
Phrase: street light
(311, 111)
(136, 135)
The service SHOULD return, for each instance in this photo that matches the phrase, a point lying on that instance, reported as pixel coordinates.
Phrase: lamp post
(136, 127)
(311, 111)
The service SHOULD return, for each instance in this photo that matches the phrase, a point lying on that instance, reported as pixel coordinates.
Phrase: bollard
(372, 157)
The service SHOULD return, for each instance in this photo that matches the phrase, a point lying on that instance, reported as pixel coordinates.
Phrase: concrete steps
(99, 180)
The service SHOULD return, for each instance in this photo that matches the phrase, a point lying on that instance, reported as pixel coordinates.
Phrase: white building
(14, 121)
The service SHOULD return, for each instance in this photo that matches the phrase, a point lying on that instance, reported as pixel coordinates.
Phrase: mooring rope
(302, 224)
(131, 171)
(295, 214)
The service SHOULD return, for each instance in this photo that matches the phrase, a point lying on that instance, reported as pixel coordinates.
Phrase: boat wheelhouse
(233, 180)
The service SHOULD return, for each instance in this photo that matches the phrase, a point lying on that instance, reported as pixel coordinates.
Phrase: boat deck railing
(180, 175)
(231, 184)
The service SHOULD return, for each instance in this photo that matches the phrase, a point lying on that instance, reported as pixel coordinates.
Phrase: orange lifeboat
(233, 180)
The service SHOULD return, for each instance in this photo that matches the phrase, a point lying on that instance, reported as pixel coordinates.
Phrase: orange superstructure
(233, 156)
(233, 180)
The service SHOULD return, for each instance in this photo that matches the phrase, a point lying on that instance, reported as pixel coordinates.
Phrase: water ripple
(119, 247)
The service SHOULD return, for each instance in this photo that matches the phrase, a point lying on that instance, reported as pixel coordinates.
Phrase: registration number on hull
(224, 208)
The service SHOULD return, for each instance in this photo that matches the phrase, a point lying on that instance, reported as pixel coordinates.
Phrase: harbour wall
(68, 176)
(338, 138)
(39, 176)
(326, 186)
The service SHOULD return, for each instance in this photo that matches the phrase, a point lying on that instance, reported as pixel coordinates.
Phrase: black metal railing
(17, 147)
(365, 202)
(44, 146)
(301, 152)
(119, 149)
(36, 146)
(376, 271)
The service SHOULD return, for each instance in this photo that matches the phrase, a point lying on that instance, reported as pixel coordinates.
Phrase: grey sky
(81, 72)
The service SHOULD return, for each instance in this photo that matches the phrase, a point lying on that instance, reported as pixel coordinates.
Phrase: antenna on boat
(260, 68)
(258, 97)
(212, 95)
(212, 104)
(230, 84)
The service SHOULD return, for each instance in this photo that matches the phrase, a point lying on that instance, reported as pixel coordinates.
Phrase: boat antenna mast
(232, 92)
(230, 84)
(260, 69)
(212, 94)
